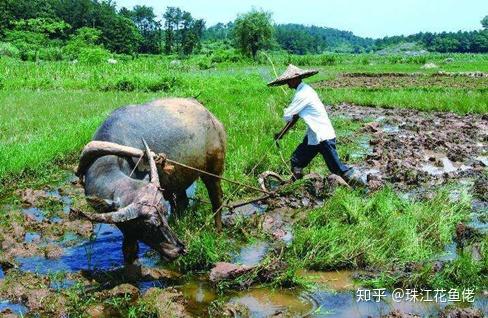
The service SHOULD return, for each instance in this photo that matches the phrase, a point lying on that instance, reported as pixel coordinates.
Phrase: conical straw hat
(292, 72)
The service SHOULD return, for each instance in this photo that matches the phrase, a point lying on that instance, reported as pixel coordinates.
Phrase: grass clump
(204, 245)
(379, 231)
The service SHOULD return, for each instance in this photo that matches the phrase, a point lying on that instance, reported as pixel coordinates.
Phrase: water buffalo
(130, 191)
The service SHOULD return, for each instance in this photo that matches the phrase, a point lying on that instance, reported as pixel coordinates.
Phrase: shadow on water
(102, 253)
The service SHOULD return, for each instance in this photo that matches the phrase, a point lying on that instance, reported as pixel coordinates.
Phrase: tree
(83, 38)
(78, 13)
(182, 33)
(145, 20)
(484, 22)
(446, 43)
(219, 32)
(172, 17)
(15, 10)
(121, 35)
(29, 36)
(252, 32)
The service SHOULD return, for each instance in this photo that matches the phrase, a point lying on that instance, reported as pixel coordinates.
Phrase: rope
(218, 177)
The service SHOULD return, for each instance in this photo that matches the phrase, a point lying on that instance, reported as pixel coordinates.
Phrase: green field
(50, 110)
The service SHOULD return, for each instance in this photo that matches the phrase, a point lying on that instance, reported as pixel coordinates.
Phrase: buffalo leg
(130, 249)
(178, 202)
(214, 189)
(182, 203)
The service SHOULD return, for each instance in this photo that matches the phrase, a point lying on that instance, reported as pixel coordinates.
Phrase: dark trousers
(304, 154)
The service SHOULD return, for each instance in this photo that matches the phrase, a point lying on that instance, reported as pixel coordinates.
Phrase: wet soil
(399, 81)
(408, 149)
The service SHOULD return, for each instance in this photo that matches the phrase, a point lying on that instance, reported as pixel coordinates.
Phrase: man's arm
(287, 127)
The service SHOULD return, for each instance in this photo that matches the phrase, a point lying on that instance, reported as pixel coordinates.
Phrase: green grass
(351, 232)
(37, 127)
(51, 109)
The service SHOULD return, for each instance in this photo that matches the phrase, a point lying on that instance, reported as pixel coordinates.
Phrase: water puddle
(32, 237)
(145, 285)
(61, 284)
(64, 199)
(450, 253)
(345, 305)
(102, 253)
(447, 167)
(341, 303)
(479, 216)
(364, 147)
(250, 209)
(483, 159)
(6, 306)
(252, 254)
(439, 164)
(40, 215)
(200, 294)
(263, 302)
(336, 280)
(35, 213)
(390, 129)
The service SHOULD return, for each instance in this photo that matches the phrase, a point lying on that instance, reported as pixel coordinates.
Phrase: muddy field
(407, 80)
(409, 148)
(53, 264)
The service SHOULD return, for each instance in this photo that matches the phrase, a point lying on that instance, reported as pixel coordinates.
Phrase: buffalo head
(145, 217)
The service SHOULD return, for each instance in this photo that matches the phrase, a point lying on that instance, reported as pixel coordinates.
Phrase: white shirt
(306, 103)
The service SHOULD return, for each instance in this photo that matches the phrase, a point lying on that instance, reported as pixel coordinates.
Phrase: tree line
(56, 28)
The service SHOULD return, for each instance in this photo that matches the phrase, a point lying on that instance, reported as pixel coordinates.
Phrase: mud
(399, 81)
(423, 148)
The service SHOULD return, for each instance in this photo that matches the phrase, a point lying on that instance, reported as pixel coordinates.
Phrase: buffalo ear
(102, 205)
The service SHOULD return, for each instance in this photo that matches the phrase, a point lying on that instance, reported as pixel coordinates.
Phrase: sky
(372, 18)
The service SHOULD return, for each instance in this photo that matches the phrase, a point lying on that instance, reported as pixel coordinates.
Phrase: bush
(8, 49)
(222, 56)
(394, 59)
(28, 55)
(128, 84)
(416, 60)
(93, 55)
(204, 63)
(51, 54)
(328, 59)
(83, 38)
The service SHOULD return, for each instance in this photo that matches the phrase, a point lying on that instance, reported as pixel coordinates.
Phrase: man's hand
(285, 129)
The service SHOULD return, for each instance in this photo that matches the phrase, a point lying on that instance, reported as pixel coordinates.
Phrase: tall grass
(378, 231)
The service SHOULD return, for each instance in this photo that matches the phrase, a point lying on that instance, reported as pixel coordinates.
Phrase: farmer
(320, 137)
